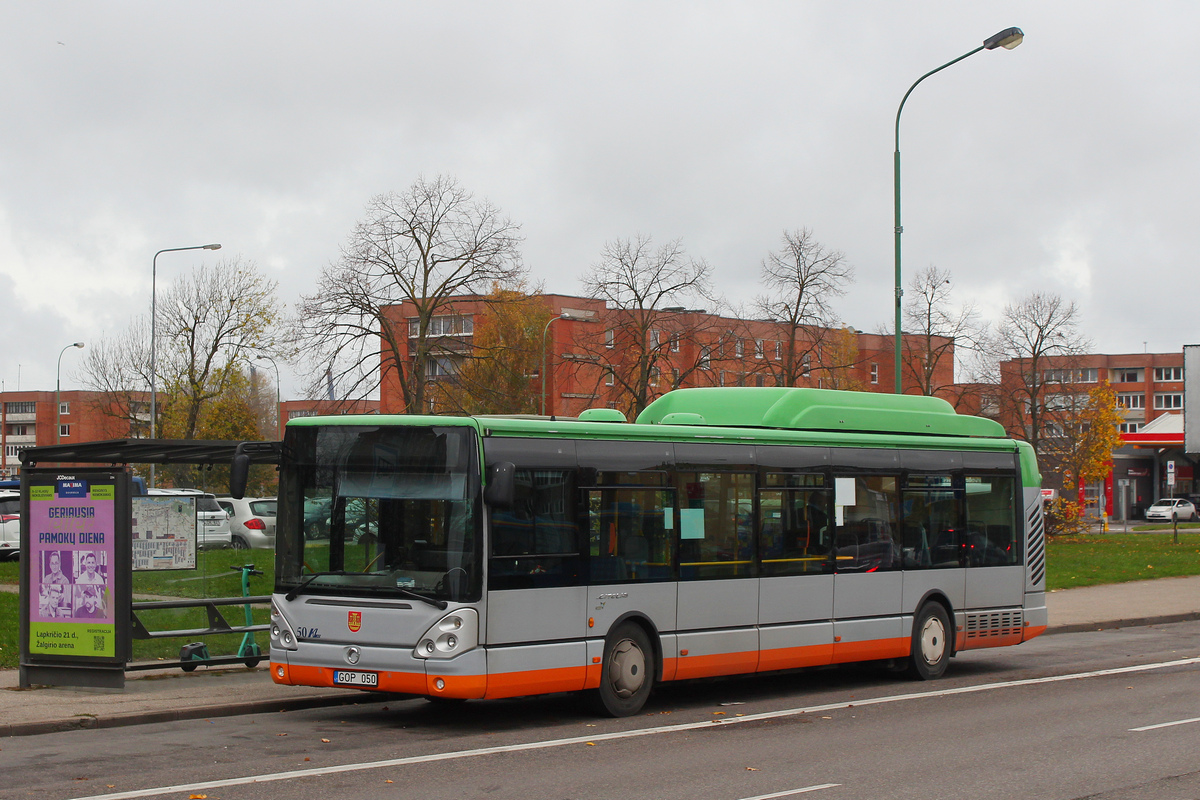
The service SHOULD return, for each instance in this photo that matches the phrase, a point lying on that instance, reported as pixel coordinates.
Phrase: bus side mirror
(501, 489)
(239, 475)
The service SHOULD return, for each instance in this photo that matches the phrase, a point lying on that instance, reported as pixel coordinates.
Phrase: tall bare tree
(118, 370)
(648, 291)
(1037, 345)
(801, 280)
(208, 322)
(937, 330)
(422, 246)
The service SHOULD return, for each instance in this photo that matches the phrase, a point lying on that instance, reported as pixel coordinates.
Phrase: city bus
(726, 531)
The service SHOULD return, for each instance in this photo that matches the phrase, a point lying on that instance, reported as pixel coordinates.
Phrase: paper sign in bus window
(691, 523)
(668, 519)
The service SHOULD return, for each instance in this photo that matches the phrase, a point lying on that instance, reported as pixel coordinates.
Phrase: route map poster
(72, 555)
(164, 533)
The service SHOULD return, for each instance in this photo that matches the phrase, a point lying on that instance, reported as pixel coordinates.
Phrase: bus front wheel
(628, 672)
(930, 643)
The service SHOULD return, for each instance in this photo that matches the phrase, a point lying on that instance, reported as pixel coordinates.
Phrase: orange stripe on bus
(871, 650)
(716, 664)
(468, 687)
(813, 655)
(977, 642)
(1034, 630)
(536, 681)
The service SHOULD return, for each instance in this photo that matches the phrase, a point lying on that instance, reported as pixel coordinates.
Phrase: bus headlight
(453, 634)
(282, 635)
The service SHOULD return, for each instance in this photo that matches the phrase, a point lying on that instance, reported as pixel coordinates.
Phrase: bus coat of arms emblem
(354, 621)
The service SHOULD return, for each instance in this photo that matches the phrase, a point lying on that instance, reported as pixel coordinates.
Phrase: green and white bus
(727, 531)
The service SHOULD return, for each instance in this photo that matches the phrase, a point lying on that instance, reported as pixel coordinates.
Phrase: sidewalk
(170, 694)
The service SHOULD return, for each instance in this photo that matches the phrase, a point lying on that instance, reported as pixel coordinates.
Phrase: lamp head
(1008, 39)
(218, 247)
(78, 344)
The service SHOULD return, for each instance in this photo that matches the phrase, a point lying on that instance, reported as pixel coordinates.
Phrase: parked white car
(10, 525)
(212, 523)
(251, 521)
(1171, 508)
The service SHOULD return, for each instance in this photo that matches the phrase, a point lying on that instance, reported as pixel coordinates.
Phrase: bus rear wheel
(930, 643)
(628, 672)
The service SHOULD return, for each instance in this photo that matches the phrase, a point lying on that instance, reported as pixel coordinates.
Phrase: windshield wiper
(298, 588)
(409, 593)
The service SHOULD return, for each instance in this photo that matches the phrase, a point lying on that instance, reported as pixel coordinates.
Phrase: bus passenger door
(868, 584)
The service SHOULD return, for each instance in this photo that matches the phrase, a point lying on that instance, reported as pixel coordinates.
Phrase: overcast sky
(1070, 164)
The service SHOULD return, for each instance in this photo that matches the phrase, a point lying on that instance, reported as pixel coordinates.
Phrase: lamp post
(278, 412)
(1008, 39)
(58, 393)
(564, 314)
(153, 332)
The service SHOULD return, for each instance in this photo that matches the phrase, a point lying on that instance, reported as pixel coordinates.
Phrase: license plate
(345, 677)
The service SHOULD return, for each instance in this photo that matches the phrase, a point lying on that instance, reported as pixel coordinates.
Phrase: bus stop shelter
(76, 578)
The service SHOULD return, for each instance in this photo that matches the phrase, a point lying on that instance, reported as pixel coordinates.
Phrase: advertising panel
(73, 565)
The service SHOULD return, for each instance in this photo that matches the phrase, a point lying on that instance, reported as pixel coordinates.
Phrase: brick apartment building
(29, 419)
(1150, 397)
(589, 348)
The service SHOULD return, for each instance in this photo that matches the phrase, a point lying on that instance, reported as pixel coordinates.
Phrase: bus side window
(536, 542)
(990, 536)
(631, 534)
(794, 531)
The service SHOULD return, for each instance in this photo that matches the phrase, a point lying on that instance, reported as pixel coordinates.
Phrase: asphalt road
(1106, 714)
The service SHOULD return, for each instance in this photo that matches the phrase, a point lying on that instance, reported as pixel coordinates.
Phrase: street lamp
(1007, 39)
(58, 392)
(278, 412)
(153, 331)
(564, 314)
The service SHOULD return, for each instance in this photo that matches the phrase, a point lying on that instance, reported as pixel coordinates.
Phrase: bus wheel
(930, 643)
(628, 674)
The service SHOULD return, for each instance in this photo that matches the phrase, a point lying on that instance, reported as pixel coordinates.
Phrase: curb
(1132, 622)
(199, 712)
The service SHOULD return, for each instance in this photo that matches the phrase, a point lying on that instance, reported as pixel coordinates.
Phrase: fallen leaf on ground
(326, 741)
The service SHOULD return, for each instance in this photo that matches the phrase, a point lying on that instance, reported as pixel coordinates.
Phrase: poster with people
(72, 547)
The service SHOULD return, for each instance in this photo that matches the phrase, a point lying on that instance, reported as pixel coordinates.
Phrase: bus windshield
(374, 510)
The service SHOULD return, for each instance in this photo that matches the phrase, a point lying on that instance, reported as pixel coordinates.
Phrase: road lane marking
(791, 792)
(316, 772)
(1165, 725)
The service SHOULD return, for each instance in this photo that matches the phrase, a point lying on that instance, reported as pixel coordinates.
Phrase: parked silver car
(251, 521)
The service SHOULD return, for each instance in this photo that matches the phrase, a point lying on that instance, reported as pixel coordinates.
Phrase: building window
(655, 339)
(1090, 375)
(13, 450)
(1131, 400)
(706, 357)
(609, 378)
(874, 373)
(446, 325)
(779, 351)
(609, 339)
(739, 348)
(674, 377)
(654, 375)
(1130, 427)
(1162, 374)
(439, 367)
(760, 351)
(674, 342)
(23, 407)
(64, 408)
(1168, 401)
(1127, 376)
(806, 365)
(64, 430)
(18, 430)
